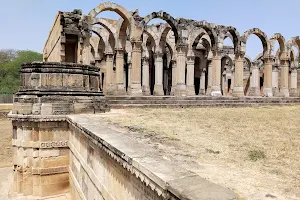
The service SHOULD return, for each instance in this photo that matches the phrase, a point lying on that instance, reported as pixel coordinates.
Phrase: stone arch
(173, 48)
(108, 26)
(261, 35)
(231, 60)
(248, 59)
(232, 33)
(195, 36)
(171, 53)
(164, 16)
(94, 44)
(147, 38)
(109, 40)
(210, 32)
(164, 33)
(294, 41)
(282, 46)
(125, 15)
(110, 6)
(260, 56)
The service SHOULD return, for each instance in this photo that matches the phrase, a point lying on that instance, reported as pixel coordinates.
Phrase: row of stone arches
(150, 46)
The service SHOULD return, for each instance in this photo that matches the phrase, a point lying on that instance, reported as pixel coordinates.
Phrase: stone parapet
(107, 163)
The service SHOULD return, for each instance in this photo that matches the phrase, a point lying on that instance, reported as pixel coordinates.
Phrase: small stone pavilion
(181, 57)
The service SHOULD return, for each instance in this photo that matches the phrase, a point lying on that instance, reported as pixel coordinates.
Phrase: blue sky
(26, 23)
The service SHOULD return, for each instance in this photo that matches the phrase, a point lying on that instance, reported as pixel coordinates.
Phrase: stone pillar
(294, 77)
(209, 78)
(165, 80)
(174, 82)
(109, 74)
(284, 79)
(268, 65)
(136, 88)
(275, 81)
(120, 89)
(158, 86)
(232, 81)
(254, 81)
(202, 82)
(145, 82)
(216, 73)
(238, 89)
(180, 77)
(86, 52)
(129, 78)
(190, 87)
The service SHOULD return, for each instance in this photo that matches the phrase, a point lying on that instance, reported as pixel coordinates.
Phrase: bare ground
(254, 151)
(5, 137)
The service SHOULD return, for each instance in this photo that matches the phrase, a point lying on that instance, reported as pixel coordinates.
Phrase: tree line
(10, 64)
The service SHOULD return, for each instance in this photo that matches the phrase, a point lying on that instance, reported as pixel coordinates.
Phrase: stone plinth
(49, 92)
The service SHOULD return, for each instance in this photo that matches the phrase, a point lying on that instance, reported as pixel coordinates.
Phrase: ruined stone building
(63, 151)
(181, 57)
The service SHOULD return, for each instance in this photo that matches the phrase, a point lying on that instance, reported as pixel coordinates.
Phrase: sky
(25, 24)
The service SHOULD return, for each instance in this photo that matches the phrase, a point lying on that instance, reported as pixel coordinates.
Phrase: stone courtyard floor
(254, 151)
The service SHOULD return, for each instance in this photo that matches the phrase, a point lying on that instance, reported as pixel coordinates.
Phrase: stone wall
(106, 164)
(53, 48)
(6, 98)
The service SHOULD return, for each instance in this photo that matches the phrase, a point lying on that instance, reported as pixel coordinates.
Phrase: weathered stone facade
(183, 57)
(56, 151)
(49, 92)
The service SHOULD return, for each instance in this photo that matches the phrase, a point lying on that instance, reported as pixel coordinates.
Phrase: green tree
(10, 63)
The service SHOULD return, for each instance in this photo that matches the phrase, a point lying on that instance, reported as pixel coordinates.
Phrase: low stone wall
(6, 98)
(107, 164)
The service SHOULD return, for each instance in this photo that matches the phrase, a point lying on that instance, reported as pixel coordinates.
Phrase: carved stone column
(136, 88)
(202, 82)
(110, 74)
(145, 82)
(174, 82)
(129, 78)
(254, 81)
(190, 86)
(209, 78)
(268, 65)
(294, 77)
(232, 81)
(181, 60)
(158, 87)
(275, 81)
(284, 79)
(216, 73)
(238, 89)
(86, 51)
(120, 89)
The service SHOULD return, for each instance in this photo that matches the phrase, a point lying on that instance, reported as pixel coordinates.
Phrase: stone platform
(197, 101)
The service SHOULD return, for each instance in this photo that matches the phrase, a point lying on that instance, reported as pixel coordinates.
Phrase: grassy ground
(255, 151)
(5, 137)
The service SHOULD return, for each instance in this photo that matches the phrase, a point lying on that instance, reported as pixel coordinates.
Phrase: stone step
(197, 98)
(113, 102)
(121, 106)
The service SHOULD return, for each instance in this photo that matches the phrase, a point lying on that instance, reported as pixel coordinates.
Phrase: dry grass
(262, 142)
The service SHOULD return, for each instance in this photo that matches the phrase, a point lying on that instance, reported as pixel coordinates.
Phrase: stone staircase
(119, 102)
